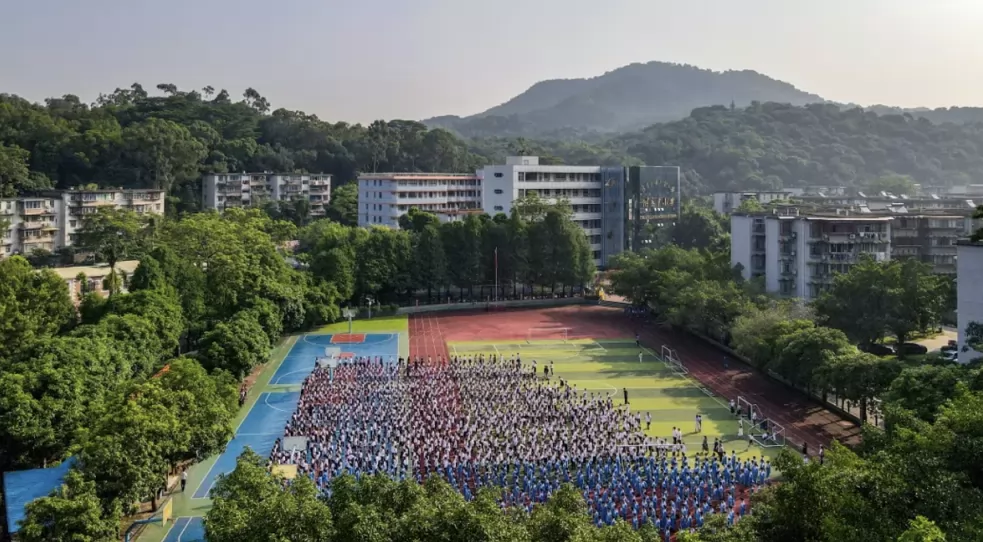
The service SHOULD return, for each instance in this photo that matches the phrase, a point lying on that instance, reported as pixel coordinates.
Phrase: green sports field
(610, 366)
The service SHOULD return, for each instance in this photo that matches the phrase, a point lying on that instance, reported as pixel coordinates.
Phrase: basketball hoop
(349, 313)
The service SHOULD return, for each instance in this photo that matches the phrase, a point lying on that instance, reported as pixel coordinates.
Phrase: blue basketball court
(299, 362)
(186, 530)
(263, 425)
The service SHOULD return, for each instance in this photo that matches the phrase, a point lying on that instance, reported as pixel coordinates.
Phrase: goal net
(548, 334)
(749, 410)
(671, 359)
(768, 434)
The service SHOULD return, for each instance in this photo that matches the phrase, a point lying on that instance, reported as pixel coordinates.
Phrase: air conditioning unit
(825, 257)
(795, 272)
(883, 235)
(825, 238)
(794, 235)
(793, 253)
(853, 236)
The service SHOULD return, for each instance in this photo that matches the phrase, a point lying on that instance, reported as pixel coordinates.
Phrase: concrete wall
(969, 297)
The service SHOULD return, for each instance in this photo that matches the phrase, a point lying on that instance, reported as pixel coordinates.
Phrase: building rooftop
(398, 176)
(69, 273)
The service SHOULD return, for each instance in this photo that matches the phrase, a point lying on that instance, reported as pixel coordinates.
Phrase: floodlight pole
(496, 274)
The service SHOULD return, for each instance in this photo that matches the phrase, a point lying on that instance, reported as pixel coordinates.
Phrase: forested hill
(771, 146)
(132, 139)
(627, 98)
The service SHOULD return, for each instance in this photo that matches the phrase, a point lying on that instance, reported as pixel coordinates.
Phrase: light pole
(496, 274)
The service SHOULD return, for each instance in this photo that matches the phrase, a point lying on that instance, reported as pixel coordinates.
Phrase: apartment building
(969, 295)
(596, 196)
(798, 256)
(930, 239)
(95, 276)
(384, 197)
(229, 190)
(51, 220)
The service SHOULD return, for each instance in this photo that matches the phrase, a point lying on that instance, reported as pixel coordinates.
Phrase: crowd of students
(494, 421)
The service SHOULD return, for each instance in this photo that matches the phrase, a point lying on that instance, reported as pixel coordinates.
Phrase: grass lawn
(609, 367)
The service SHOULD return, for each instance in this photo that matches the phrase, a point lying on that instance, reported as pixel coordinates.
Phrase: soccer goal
(768, 434)
(671, 359)
(547, 334)
(746, 408)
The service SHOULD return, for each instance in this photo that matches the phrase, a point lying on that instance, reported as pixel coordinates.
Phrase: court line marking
(281, 377)
(694, 382)
(181, 534)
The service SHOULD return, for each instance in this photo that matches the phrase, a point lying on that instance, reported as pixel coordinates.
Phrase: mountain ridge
(623, 99)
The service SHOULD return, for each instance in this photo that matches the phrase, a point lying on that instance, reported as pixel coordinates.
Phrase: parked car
(910, 349)
(878, 350)
(950, 355)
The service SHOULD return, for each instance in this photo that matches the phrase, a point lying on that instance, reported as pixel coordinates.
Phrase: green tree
(925, 388)
(700, 227)
(13, 170)
(71, 512)
(761, 334)
(161, 154)
(235, 346)
(922, 529)
(807, 350)
(111, 234)
(343, 208)
(33, 305)
(898, 185)
(431, 263)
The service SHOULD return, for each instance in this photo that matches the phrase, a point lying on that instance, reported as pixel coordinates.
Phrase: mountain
(628, 98)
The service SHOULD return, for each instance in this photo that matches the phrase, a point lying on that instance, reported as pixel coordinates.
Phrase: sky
(363, 60)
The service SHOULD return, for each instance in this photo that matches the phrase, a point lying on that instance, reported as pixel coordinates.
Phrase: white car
(950, 355)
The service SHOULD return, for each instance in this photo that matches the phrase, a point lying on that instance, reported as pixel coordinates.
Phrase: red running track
(803, 419)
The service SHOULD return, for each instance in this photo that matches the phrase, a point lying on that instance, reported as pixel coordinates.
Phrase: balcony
(93, 202)
(35, 211)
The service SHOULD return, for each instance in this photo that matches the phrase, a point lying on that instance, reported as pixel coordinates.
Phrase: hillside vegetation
(627, 98)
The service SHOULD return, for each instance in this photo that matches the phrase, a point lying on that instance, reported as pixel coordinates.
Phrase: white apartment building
(582, 186)
(384, 197)
(798, 256)
(50, 221)
(969, 294)
(224, 190)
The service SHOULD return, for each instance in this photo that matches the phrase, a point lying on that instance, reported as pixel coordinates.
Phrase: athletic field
(609, 366)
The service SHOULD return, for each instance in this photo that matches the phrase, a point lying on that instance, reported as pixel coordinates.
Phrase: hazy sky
(368, 59)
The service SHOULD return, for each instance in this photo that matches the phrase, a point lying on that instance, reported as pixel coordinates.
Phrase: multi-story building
(95, 277)
(653, 201)
(930, 239)
(969, 295)
(384, 197)
(798, 256)
(727, 202)
(51, 220)
(227, 190)
(596, 196)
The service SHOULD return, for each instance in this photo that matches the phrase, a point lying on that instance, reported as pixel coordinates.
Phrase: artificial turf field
(609, 366)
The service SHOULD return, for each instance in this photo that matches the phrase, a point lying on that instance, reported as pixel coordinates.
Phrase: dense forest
(131, 139)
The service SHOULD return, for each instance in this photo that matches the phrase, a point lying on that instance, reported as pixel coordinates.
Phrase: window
(499, 191)
(498, 174)
(499, 208)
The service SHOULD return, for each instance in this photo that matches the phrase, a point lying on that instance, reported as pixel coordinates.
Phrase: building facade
(595, 194)
(969, 295)
(384, 197)
(51, 220)
(653, 203)
(930, 239)
(798, 256)
(236, 190)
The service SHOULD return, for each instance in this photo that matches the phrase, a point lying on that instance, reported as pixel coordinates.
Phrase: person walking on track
(625, 390)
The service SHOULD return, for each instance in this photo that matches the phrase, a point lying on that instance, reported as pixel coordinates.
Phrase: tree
(160, 154)
(761, 334)
(71, 512)
(922, 529)
(250, 503)
(111, 234)
(343, 207)
(13, 170)
(925, 388)
(235, 346)
(33, 305)
(700, 227)
(898, 185)
(808, 349)
(430, 268)
(750, 205)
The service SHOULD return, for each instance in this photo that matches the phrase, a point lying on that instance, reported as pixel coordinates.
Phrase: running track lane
(803, 419)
